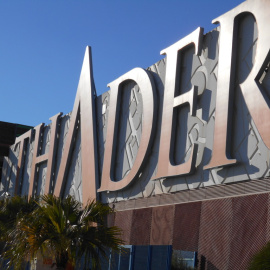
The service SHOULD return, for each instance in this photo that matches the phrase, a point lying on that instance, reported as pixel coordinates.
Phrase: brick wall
(225, 232)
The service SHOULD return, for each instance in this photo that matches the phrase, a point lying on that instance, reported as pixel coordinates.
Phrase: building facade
(180, 150)
(8, 134)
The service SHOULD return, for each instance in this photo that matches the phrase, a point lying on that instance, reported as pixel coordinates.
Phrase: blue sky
(42, 44)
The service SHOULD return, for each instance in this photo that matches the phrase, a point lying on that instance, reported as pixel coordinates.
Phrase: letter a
(84, 109)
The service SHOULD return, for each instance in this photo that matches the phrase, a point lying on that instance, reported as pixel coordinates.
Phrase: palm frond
(62, 228)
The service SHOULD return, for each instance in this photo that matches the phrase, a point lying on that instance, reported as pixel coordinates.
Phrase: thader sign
(84, 111)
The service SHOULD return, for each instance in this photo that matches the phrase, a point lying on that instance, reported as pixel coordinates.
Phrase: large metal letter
(49, 157)
(165, 168)
(21, 140)
(146, 84)
(83, 109)
(257, 103)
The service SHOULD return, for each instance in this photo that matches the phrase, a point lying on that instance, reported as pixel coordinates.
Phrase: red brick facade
(225, 232)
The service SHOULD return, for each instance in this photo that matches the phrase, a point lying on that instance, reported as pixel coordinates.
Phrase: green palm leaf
(59, 228)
